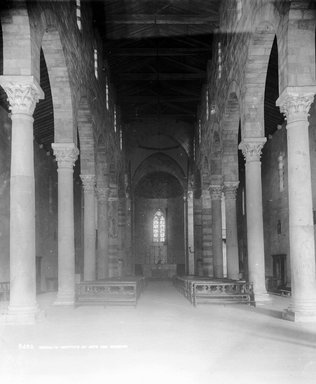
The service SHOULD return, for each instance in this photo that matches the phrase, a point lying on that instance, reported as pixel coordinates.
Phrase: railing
(110, 292)
(214, 291)
(4, 291)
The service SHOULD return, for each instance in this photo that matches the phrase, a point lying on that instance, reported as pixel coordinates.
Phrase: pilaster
(230, 190)
(88, 184)
(217, 241)
(102, 254)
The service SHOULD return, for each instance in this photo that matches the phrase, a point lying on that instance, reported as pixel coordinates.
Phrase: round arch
(21, 58)
(65, 129)
(266, 26)
(102, 164)
(159, 162)
(86, 138)
(229, 129)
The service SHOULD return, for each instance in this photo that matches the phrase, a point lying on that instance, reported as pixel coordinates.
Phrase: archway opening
(159, 226)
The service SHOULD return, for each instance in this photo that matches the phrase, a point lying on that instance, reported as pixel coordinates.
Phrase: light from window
(78, 14)
(219, 62)
(239, 9)
(95, 56)
(206, 104)
(107, 93)
(121, 139)
(200, 132)
(115, 122)
(159, 227)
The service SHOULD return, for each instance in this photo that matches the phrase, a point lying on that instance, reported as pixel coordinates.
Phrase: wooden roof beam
(157, 51)
(153, 19)
(162, 76)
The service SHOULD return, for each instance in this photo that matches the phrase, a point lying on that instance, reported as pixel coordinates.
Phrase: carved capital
(230, 189)
(66, 154)
(102, 193)
(252, 148)
(88, 183)
(295, 103)
(23, 93)
(190, 195)
(216, 191)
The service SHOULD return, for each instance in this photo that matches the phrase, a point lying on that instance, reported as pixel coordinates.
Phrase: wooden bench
(110, 291)
(285, 292)
(4, 291)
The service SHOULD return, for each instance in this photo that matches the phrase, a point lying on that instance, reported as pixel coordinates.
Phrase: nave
(163, 340)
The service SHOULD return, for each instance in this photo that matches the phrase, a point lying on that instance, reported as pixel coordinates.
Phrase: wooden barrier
(202, 290)
(4, 291)
(109, 292)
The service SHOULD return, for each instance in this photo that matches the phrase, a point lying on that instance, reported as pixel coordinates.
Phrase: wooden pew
(110, 291)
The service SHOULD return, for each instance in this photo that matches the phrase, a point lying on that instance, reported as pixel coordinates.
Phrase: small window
(78, 14)
(121, 139)
(200, 131)
(115, 119)
(107, 93)
(219, 59)
(95, 57)
(239, 9)
(206, 105)
(159, 227)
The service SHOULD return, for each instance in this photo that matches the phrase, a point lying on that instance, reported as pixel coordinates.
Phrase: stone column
(128, 236)
(251, 148)
(217, 241)
(230, 189)
(190, 220)
(102, 255)
(89, 268)
(113, 232)
(23, 93)
(207, 253)
(185, 233)
(66, 155)
(295, 104)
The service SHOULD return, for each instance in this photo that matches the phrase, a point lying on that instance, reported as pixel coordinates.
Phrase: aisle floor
(164, 340)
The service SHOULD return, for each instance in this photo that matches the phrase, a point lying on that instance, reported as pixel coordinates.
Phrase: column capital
(295, 102)
(102, 193)
(190, 194)
(230, 189)
(252, 148)
(88, 183)
(216, 191)
(66, 154)
(23, 93)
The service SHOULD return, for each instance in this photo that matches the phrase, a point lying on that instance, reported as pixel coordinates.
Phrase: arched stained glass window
(159, 227)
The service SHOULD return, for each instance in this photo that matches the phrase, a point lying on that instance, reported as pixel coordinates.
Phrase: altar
(160, 271)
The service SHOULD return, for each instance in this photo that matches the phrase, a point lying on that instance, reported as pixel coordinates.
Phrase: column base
(18, 315)
(65, 299)
(299, 316)
(301, 311)
(261, 298)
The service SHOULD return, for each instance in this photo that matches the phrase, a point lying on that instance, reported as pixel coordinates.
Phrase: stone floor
(164, 340)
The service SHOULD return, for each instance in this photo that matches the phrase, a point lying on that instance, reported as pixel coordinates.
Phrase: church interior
(158, 191)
